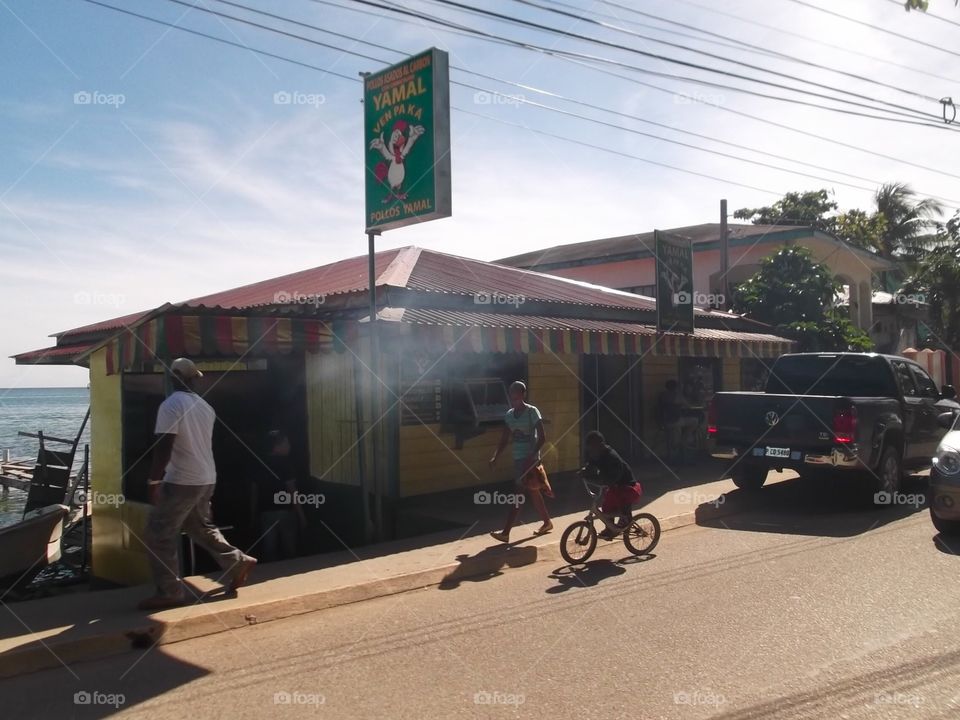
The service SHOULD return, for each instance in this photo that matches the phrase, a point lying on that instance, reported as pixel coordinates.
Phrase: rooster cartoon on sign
(392, 171)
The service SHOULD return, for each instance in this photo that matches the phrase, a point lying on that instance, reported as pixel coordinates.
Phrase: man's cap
(185, 368)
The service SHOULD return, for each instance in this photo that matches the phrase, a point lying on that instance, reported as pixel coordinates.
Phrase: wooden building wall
(430, 462)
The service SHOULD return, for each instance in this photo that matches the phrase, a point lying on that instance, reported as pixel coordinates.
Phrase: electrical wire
(470, 112)
(785, 56)
(901, 110)
(816, 41)
(878, 28)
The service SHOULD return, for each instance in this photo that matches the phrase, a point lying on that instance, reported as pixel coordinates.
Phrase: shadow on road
(588, 574)
(489, 563)
(831, 507)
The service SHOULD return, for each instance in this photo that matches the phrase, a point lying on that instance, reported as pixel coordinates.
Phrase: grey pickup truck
(832, 412)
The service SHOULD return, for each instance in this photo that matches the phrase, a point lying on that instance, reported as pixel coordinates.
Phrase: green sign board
(675, 295)
(406, 132)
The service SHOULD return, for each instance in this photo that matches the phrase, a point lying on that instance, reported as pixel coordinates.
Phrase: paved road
(799, 609)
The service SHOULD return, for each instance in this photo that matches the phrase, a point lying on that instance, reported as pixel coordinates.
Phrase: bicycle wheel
(578, 542)
(643, 534)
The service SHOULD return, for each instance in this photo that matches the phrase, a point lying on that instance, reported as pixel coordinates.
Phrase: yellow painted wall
(117, 554)
(331, 412)
(429, 461)
(731, 374)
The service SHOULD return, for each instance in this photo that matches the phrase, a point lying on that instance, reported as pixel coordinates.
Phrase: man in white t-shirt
(181, 483)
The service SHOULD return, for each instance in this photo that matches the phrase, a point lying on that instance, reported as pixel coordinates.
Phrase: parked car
(832, 413)
(945, 478)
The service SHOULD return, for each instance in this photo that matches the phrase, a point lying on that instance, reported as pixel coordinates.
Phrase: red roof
(52, 355)
(337, 278)
(409, 268)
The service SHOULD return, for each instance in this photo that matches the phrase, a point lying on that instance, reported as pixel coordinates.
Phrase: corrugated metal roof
(52, 355)
(421, 316)
(412, 268)
(336, 278)
(625, 244)
(439, 272)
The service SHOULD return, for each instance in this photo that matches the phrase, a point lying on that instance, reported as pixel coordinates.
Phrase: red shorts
(618, 496)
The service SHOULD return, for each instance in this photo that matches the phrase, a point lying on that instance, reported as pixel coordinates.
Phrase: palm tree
(908, 220)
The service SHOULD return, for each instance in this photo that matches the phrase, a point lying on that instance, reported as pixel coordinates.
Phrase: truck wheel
(749, 476)
(889, 471)
(945, 527)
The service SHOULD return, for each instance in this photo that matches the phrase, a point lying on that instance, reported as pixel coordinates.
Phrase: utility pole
(724, 254)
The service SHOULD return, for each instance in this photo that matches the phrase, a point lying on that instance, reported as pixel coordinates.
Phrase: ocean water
(56, 411)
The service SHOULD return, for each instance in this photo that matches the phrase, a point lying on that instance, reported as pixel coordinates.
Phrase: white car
(945, 478)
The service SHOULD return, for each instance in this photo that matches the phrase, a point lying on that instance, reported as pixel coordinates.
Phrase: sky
(144, 165)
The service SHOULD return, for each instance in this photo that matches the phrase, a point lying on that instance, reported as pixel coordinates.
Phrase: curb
(43, 655)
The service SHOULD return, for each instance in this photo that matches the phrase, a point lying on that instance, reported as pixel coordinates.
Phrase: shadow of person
(489, 563)
(586, 575)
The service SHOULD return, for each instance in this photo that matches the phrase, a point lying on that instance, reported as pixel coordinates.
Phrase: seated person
(280, 515)
(671, 414)
(605, 464)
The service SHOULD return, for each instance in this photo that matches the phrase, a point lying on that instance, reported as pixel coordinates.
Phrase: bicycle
(640, 535)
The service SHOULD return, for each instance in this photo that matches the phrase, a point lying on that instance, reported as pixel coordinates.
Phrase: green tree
(795, 208)
(860, 228)
(937, 279)
(906, 232)
(798, 296)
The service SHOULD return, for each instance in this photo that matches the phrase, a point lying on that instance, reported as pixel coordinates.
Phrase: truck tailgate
(792, 422)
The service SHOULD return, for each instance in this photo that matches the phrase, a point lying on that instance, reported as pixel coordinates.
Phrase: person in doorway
(524, 429)
(605, 464)
(280, 515)
(676, 423)
(181, 483)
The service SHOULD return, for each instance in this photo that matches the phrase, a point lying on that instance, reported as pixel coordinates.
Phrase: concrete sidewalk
(62, 630)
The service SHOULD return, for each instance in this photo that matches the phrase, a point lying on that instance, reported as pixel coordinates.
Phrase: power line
(785, 56)
(878, 28)
(571, 100)
(493, 119)
(816, 41)
(327, 71)
(773, 123)
(703, 82)
(927, 13)
(903, 111)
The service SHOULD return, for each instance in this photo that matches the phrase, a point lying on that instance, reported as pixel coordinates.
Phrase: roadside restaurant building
(293, 353)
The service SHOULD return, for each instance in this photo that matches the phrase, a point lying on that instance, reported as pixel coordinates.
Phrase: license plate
(778, 452)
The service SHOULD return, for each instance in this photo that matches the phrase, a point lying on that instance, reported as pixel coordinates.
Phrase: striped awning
(215, 336)
(704, 343)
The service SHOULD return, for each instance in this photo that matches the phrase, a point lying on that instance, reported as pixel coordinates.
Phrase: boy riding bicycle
(605, 465)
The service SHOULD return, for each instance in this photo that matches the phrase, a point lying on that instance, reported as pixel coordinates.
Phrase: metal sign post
(406, 136)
